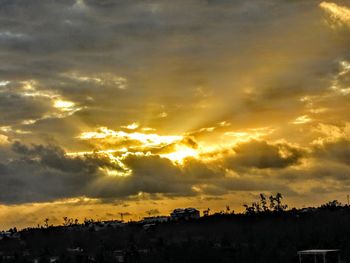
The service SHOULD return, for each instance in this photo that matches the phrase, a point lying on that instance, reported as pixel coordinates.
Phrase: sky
(139, 107)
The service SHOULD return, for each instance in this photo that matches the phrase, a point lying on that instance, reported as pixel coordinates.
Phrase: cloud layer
(117, 100)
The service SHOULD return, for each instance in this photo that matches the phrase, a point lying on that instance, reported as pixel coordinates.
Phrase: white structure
(103, 225)
(8, 234)
(319, 256)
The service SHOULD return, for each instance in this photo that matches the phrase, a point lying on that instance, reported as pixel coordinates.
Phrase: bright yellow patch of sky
(176, 148)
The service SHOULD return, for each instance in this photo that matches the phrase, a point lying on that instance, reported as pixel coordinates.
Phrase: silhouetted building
(119, 256)
(319, 256)
(186, 213)
(149, 226)
(8, 234)
(155, 219)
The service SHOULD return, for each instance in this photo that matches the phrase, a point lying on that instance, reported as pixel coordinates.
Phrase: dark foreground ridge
(261, 234)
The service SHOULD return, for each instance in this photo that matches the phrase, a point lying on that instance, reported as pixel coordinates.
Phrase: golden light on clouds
(302, 119)
(147, 139)
(99, 79)
(132, 126)
(180, 153)
(330, 133)
(144, 142)
(3, 139)
(116, 157)
(64, 105)
(65, 108)
(30, 89)
(339, 15)
(111, 172)
(177, 148)
(234, 137)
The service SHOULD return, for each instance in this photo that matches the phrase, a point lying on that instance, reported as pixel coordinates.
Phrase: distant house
(185, 214)
(119, 256)
(308, 210)
(149, 226)
(103, 225)
(54, 259)
(4, 234)
(319, 256)
(8, 234)
(114, 223)
(155, 219)
(75, 251)
(50, 260)
(4, 257)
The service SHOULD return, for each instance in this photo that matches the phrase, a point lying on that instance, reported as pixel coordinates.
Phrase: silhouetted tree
(206, 212)
(67, 221)
(256, 207)
(272, 202)
(263, 203)
(88, 221)
(331, 205)
(249, 210)
(46, 222)
(279, 207)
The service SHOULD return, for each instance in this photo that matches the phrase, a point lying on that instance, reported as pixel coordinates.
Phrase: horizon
(110, 107)
(128, 217)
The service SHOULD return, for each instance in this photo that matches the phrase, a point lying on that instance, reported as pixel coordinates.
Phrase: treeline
(266, 205)
(266, 232)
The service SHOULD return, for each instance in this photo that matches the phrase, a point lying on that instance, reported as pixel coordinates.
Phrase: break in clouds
(110, 99)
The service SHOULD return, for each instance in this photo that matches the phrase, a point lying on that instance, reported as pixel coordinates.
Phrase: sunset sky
(110, 107)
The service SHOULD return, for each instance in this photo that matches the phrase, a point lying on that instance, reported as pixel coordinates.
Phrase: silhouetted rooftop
(317, 251)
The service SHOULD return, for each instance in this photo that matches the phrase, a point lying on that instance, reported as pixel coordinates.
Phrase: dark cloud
(323, 171)
(54, 157)
(338, 151)
(16, 108)
(197, 169)
(261, 155)
(40, 173)
(45, 173)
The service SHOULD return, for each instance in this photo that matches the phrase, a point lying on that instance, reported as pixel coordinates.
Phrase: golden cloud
(339, 15)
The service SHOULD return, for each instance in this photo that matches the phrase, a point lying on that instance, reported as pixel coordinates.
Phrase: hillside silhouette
(266, 232)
